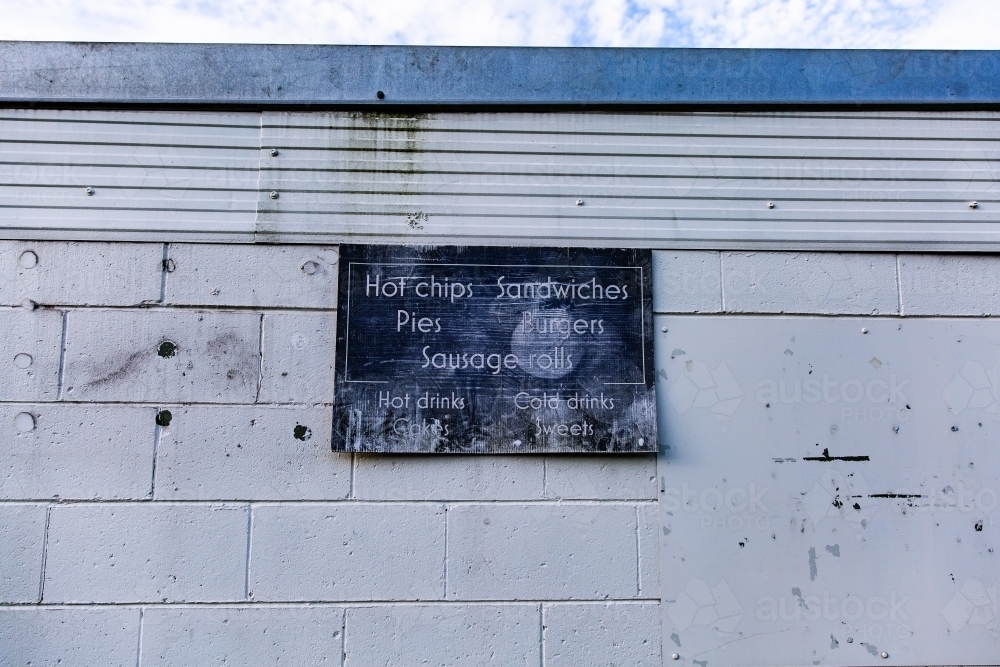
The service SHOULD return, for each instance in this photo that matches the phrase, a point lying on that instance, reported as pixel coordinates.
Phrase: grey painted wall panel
(687, 281)
(418, 477)
(161, 355)
(70, 636)
(74, 274)
(325, 552)
(77, 452)
(297, 362)
(222, 636)
(145, 552)
(582, 478)
(30, 343)
(950, 285)
(826, 283)
(249, 453)
(831, 496)
(253, 276)
(21, 552)
(499, 552)
(612, 634)
(479, 634)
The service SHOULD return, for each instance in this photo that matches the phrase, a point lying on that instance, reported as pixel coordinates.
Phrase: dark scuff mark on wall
(127, 367)
(826, 457)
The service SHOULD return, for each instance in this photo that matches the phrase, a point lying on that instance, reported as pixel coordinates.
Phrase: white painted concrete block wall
(229, 533)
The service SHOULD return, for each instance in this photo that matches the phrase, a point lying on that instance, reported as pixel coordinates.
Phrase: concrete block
(271, 276)
(443, 636)
(133, 552)
(347, 552)
(84, 452)
(248, 637)
(73, 637)
(547, 552)
(434, 477)
(298, 357)
(686, 281)
(950, 284)
(169, 356)
(612, 635)
(649, 551)
(597, 478)
(85, 274)
(30, 343)
(826, 283)
(250, 453)
(22, 539)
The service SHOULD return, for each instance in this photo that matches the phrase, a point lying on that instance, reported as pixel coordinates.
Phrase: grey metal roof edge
(262, 76)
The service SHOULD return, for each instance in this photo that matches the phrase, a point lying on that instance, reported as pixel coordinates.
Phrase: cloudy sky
(934, 24)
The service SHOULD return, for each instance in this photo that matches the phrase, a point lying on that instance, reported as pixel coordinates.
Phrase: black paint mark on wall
(167, 349)
(492, 350)
(826, 457)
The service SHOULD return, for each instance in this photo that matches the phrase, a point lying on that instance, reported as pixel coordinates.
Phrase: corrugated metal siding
(878, 180)
(156, 176)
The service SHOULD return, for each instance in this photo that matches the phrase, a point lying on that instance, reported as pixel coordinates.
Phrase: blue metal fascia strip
(56, 73)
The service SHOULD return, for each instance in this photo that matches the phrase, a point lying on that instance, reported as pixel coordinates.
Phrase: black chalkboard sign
(494, 350)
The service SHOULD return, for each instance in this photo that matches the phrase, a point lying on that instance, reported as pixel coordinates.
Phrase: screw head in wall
(864, 330)
(770, 204)
(675, 656)
(90, 192)
(28, 304)
(380, 95)
(884, 654)
(973, 204)
(273, 195)
(28, 260)
(664, 330)
(274, 152)
(579, 202)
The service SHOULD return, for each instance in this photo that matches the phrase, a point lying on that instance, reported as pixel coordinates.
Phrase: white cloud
(718, 23)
